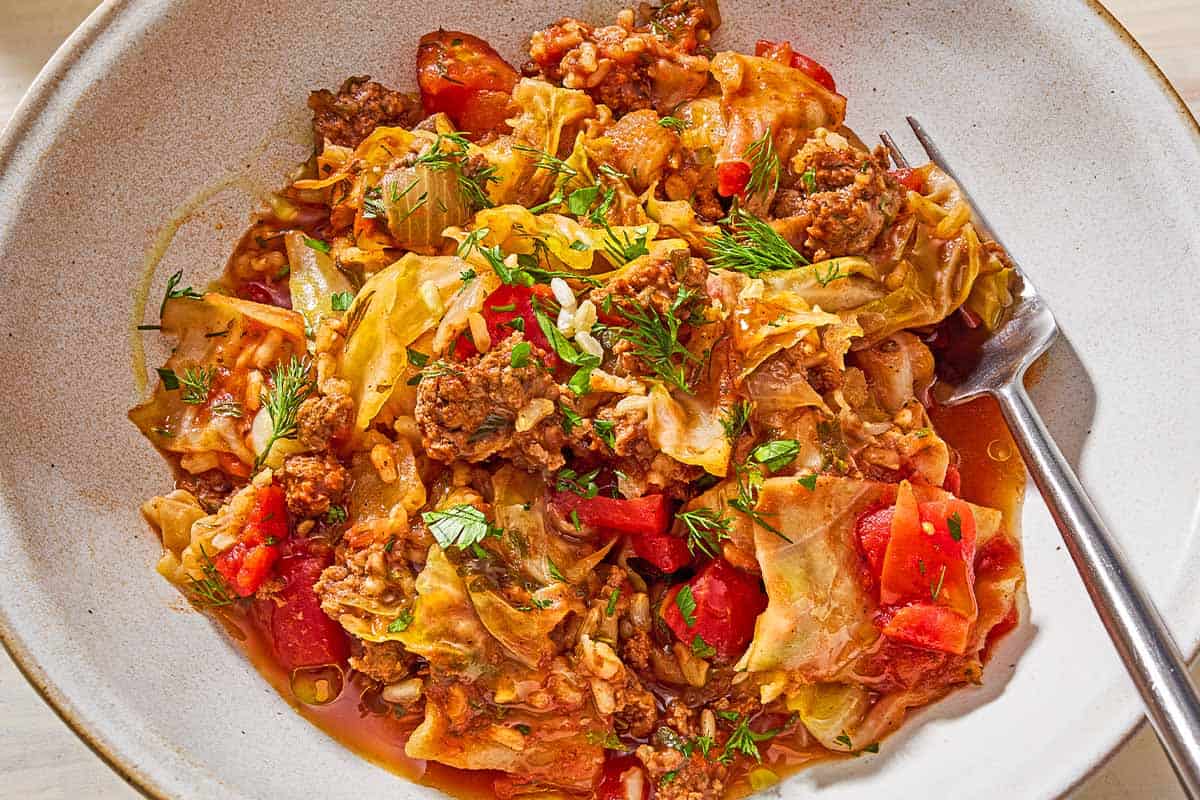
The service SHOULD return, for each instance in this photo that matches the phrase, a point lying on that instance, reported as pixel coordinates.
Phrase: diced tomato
(909, 179)
(732, 177)
(929, 626)
(874, 528)
(924, 561)
(247, 564)
(500, 308)
(727, 601)
(301, 634)
(922, 558)
(641, 515)
(953, 481)
(617, 781)
(268, 520)
(462, 76)
(784, 54)
(666, 552)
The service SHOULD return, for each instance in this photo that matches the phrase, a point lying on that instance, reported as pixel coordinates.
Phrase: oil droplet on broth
(998, 450)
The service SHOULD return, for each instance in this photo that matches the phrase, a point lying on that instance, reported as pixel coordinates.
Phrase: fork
(1135, 626)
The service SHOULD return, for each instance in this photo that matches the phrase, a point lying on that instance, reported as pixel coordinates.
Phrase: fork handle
(1137, 630)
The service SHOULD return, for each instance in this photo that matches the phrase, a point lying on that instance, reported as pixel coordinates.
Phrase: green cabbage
(391, 311)
(688, 429)
(216, 331)
(313, 279)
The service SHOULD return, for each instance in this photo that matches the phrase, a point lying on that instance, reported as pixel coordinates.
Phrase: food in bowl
(568, 431)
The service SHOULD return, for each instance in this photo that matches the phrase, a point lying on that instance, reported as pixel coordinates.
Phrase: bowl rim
(43, 92)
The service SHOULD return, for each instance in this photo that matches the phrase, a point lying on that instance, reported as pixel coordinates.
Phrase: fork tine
(897, 156)
(935, 155)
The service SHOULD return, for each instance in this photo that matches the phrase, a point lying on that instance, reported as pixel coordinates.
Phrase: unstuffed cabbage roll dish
(568, 429)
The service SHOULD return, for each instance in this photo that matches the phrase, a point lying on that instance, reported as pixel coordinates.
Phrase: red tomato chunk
(726, 603)
(463, 77)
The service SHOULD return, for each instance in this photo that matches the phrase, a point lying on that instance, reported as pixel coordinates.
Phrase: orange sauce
(992, 475)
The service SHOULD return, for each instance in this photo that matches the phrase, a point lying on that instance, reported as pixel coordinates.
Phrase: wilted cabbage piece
(313, 278)
(223, 337)
(445, 629)
(688, 428)
(546, 114)
(390, 312)
(546, 750)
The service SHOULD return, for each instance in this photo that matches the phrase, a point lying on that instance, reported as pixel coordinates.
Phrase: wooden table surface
(40, 759)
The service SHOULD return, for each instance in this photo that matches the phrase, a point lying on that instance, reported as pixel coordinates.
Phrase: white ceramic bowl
(161, 120)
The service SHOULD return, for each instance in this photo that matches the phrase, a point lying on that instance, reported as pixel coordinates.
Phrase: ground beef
(841, 203)
(643, 465)
(695, 777)
(322, 419)
(360, 105)
(211, 489)
(637, 713)
(627, 68)
(469, 412)
(652, 283)
(313, 484)
(386, 662)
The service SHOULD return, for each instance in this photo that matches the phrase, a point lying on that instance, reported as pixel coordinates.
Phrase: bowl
(153, 131)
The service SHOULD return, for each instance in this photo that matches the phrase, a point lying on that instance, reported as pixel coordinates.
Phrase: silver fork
(1136, 628)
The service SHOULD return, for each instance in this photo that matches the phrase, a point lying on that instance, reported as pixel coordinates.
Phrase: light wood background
(40, 759)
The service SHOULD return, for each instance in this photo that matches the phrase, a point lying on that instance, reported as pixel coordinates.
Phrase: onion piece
(421, 203)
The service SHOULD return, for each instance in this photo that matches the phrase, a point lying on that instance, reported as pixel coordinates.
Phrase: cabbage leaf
(391, 311)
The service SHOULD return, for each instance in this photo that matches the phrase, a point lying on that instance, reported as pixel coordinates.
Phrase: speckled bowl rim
(43, 92)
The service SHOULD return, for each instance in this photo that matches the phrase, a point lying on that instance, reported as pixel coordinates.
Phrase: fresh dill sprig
(210, 591)
(736, 419)
(673, 123)
(764, 165)
(752, 246)
(749, 481)
(706, 529)
(472, 185)
(195, 384)
(174, 292)
(655, 337)
(290, 386)
(546, 161)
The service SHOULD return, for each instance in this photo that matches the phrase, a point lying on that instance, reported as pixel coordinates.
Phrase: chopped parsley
(686, 604)
(170, 380)
(553, 570)
(611, 608)
(605, 430)
(336, 515)
(776, 454)
(460, 526)
(568, 480)
(520, 355)
(341, 301)
(571, 420)
(808, 481)
(400, 624)
(317, 244)
(701, 648)
(417, 358)
(954, 523)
